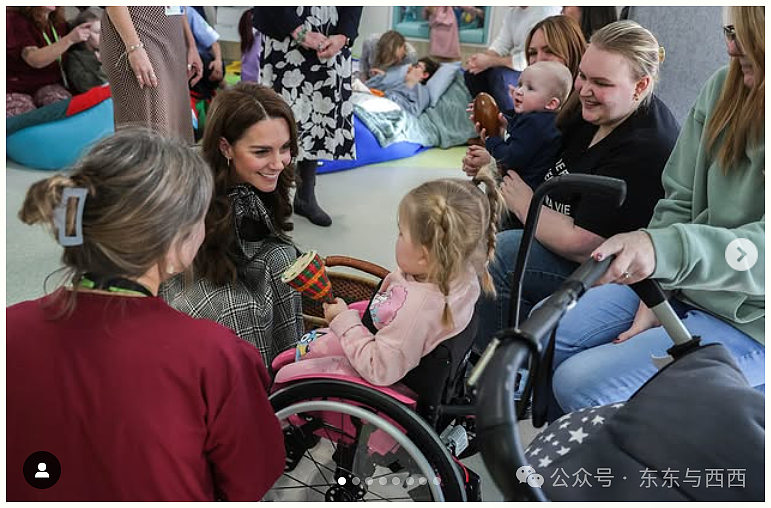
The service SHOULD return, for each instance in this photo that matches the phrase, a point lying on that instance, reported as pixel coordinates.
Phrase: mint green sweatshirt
(703, 210)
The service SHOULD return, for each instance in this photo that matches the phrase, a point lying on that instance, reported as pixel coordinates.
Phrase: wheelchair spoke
(355, 443)
(312, 487)
(318, 466)
(390, 473)
(326, 431)
(303, 486)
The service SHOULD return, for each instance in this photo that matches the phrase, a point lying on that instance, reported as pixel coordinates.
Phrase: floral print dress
(319, 91)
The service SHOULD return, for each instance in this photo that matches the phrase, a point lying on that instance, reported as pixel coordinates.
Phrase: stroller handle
(497, 430)
(545, 317)
(653, 296)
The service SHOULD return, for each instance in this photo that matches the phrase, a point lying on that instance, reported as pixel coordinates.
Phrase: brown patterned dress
(165, 108)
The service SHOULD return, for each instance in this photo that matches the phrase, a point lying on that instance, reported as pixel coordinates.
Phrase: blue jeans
(544, 273)
(494, 81)
(592, 371)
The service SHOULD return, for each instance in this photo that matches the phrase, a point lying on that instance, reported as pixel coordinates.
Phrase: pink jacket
(408, 316)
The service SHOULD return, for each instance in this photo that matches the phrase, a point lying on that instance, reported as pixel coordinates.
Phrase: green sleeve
(692, 256)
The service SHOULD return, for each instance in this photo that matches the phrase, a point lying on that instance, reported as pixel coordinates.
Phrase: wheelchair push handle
(564, 188)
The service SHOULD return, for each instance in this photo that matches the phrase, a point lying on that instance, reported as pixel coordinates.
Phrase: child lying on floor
(404, 84)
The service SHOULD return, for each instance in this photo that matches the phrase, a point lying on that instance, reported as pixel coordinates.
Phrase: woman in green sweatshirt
(714, 186)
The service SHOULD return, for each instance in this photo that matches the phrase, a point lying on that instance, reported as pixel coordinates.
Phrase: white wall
(374, 19)
(226, 22)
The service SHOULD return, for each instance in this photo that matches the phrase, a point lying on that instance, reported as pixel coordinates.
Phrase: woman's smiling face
(261, 154)
(606, 87)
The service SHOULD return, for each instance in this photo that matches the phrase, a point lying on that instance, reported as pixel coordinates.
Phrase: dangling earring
(228, 158)
(170, 270)
(636, 97)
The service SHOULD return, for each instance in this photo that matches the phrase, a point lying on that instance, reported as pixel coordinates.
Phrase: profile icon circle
(42, 470)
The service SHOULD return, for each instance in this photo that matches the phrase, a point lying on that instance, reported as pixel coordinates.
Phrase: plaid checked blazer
(259, 308)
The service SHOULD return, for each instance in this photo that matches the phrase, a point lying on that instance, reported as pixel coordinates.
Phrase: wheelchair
(348, 440)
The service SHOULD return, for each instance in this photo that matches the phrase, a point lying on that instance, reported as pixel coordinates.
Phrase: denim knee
(506, 252)
(571, 389)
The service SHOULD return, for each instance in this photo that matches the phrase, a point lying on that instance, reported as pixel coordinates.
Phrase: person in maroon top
(36, 42)
(137, 401)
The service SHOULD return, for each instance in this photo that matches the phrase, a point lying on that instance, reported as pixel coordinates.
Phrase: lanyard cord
(114, 285)
(56, 36)
(59, 58)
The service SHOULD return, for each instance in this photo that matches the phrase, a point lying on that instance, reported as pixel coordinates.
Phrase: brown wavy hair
(739, 115)
(456, 222)
(37, 16)
(233, 112)
(565, 39)
(245, 32)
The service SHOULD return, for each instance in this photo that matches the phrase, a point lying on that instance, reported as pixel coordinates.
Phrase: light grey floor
(362, 203)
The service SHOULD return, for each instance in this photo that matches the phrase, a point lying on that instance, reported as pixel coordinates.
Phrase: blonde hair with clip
(456, 221)
(145, 192)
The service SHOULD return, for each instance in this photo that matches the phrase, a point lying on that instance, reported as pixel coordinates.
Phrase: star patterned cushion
(565, 435)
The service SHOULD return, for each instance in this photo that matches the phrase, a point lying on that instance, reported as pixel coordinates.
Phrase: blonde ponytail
(494, 210)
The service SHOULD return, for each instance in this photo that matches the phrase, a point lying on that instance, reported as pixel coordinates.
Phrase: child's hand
(481, 131)
(502, 124)
(476, 157)
(331, 310)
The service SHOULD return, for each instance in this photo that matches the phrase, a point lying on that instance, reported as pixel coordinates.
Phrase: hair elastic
(60, 216)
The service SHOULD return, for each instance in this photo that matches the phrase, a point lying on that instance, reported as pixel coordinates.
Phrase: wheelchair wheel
(347, 442)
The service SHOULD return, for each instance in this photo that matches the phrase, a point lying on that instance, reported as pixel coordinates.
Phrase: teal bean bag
(58, 144)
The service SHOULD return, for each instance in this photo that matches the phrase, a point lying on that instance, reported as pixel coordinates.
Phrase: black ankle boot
(305, 198)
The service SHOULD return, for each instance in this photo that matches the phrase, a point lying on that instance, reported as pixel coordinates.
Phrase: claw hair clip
(60, 216)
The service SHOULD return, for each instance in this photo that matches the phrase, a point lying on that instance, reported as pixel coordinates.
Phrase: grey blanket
(443, 126)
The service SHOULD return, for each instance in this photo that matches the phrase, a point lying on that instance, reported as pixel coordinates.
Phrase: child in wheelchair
(446, 238)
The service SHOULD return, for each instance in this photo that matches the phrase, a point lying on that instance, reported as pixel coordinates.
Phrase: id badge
(174, 10)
